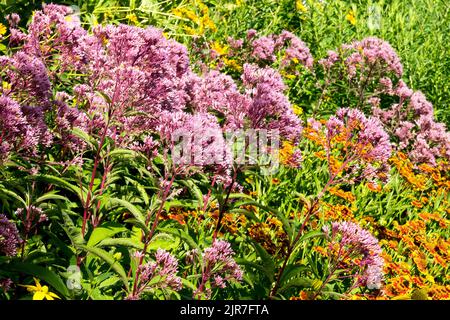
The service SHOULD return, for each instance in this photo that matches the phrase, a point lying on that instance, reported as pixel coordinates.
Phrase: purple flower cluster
(355, 242)
(21, 128)
(262, 105)
(370, 55)
(219, 266)
(164, 269)
(366, 146)
(264, 50)
(199, 137)
(269, 107)
(138, 86)
(411, 122)
(9, 237)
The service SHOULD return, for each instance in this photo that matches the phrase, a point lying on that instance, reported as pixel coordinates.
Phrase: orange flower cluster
(314, 135)
(270, 235)
(289, 156)
(230, 222)
(346, 195)
(429, 259)
(336, 212)
(405, 168)
(374, 187)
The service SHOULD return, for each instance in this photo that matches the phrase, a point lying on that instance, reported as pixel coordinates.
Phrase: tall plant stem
(224, 205)
(310, 212)
(147, 238)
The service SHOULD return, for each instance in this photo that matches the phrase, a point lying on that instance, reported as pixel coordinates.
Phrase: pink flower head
(355, 242)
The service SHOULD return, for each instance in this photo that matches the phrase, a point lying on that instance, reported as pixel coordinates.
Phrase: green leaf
(267, 262)
(106, 230)
(84, 136)
(110, 281)
(50, 196)
(163, 241)
(121, 242)
(297, 283)
(73, 232)
(62, 183)
(135, 211)
(42, 273)
(292, 271)
(109, 259)
(182, 235)
(194, 190)
(13, 195)
(311, 234)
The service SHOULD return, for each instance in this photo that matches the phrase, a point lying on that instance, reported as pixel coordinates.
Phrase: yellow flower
(351, 17)
(300, 6)
(133, 18)
(2, 29)
(6, 85)
(297, 110)
(220, 49)
(40, 292)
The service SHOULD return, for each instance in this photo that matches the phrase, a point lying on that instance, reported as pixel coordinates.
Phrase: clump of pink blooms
(373, 68)
(411, 122)
(31, 217)
(159, 274)
(285, 48)
(9, 237)
(356, 243)
(135, 84)
(19, 130)
(369, 57)
(359, 142)
(218, 267)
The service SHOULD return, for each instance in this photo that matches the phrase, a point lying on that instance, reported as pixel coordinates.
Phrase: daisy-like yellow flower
(133, 18)
(2, 29)
(40, 292)
(220, 49)
(351, 17)
(300, 6)
(297, 110)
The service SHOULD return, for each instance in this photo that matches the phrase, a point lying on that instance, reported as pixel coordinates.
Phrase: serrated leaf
(106, 230)
(182, 235)
(61, 183)
(109, 259)
(267, 261)
(42, 273)
(135, 211)
(121, 242)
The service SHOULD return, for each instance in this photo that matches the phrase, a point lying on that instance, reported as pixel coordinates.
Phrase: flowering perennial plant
(353, 242)
(9, 237)
(121, 159)
(218, 268)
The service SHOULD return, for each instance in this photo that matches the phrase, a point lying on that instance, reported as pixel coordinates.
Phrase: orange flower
(420, 260)
(417, 204)
(342, 194)
(375, 187)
